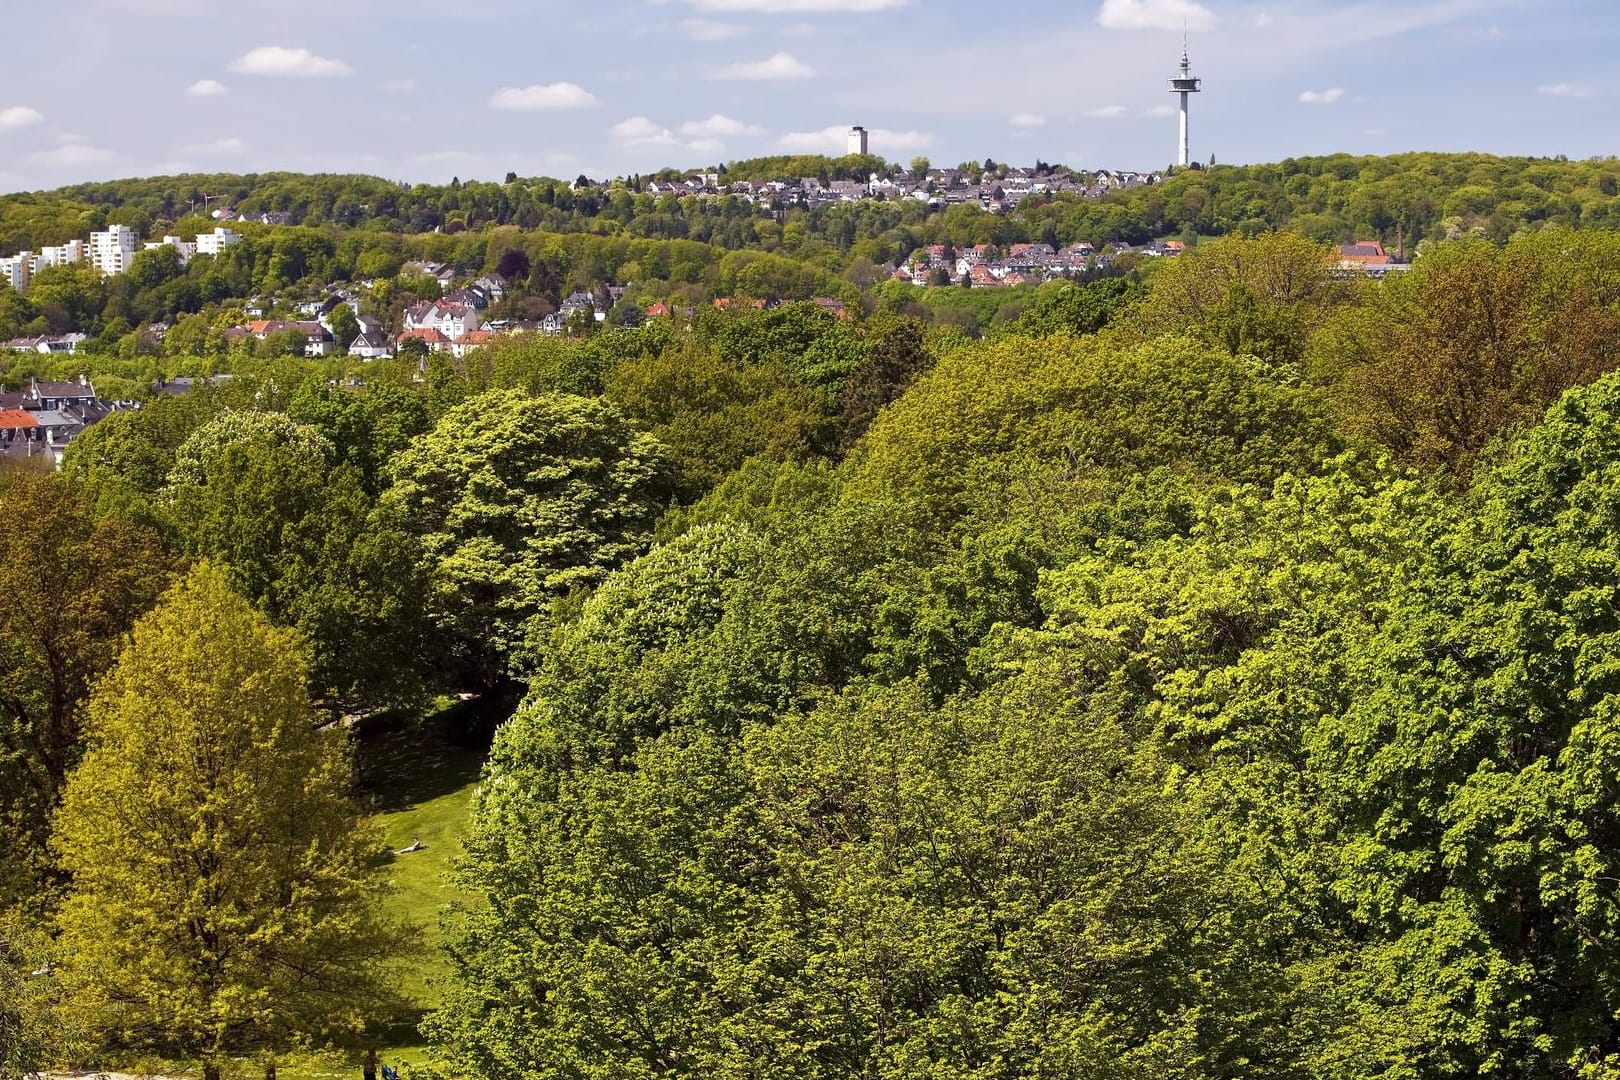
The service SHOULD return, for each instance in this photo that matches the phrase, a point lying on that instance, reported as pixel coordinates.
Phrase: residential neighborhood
(38, 422)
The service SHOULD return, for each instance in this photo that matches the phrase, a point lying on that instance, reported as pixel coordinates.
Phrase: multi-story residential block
(63, 255)
(17, 270)
(112, 251)
(216, 242)
(185, 247)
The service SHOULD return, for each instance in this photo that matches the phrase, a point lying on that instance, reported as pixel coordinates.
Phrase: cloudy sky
(425, 89)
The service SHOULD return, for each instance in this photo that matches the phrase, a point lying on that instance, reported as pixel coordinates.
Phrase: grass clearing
(418, 774)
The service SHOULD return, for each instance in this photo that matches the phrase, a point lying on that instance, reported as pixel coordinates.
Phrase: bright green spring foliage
(73, 585)
(269, 499)
(517, 501)
(224, 892)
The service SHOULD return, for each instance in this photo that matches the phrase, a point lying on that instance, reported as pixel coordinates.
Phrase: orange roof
(429, 334)
(17, 418)
(476, 337)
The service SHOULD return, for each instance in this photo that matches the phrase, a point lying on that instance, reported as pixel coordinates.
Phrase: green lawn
(431, 809)
(418, 774)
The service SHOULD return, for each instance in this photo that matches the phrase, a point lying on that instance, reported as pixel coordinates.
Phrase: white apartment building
(17, 270)
(112, 251)
(216, 242)
(185, 247)
(71, 252)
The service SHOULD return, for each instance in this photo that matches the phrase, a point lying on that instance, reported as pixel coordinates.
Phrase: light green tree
(73, 585)
(517, 501)
(225, 893)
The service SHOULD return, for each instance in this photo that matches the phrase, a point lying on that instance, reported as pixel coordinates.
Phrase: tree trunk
(370, 1070)
(210, 1069)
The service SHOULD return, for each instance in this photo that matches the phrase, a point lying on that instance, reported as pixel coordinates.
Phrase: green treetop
(224, 893)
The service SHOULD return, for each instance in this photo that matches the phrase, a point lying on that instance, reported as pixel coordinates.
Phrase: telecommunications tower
(1184, 84)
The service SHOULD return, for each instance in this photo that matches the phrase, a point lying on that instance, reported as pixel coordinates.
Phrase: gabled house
(371, 345)
(427, 335)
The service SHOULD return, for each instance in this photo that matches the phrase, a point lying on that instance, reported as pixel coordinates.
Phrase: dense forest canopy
(1203, 669)
(1337, 198)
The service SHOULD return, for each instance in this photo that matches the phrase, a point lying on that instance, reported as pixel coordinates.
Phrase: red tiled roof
(429, 334)
(17, 418)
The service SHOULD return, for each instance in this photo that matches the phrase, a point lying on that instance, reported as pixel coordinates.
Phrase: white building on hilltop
(185, 247)
(857, 140)
(62, 255)
(112, 251)
(216, 242)
(17, 270)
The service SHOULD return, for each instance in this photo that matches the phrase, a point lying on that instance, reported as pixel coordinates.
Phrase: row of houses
(984, 266)
(995, 191)
(38, 423)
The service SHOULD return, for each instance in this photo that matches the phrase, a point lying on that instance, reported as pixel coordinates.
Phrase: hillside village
(460, 318)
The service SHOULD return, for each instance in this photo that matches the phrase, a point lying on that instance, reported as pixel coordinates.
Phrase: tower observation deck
(1184, 84)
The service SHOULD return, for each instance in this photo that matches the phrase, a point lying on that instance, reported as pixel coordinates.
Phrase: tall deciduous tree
(518, 500)
(1472, 341)
(72, 586)
(267, 497)
(224, 892)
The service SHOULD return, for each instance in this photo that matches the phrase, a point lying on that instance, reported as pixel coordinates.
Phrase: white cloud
(1026, 119)
(718, 127)
(446, 157)
(207, 88)
(1564, 89)
(559, 95)
(1262, 20)
(696, 136)
(1107, 112)
(71, 155)
(835, 140)
(640, 131)
(218, 146)
(710, 30)
(792, 7)
(1322, 97)
(781, 66)
(280, 61)
(20, 116)
(1159, 110)
(1155, 15)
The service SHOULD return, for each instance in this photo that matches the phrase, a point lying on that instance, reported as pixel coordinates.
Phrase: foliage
(268, 499)
(1089, 407)
(223, 893)
(516, 502)
(1473, 341)
(73, 586)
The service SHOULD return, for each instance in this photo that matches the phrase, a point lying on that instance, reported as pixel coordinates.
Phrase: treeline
(1204, 677)
(1406, 197)
(1410, 197)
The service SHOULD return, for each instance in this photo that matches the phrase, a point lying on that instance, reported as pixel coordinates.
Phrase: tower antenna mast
(1184, 84)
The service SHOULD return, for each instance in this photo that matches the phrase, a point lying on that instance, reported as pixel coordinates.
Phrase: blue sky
(427, 89)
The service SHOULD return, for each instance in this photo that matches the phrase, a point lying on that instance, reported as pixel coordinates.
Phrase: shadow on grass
(402, 760)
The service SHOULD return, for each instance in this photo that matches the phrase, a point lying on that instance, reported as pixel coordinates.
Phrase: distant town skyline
(418, 91)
